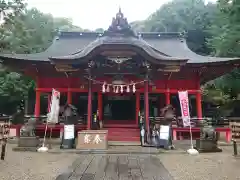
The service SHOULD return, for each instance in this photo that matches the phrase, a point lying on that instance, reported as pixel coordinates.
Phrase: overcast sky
(92, 14)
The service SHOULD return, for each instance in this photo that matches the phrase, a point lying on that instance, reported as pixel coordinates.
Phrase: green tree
(181, 15)
(10, 8)
(65, 24)
(99, 30)
(192, 16)
(225, 42)
(225, 29)
(29, 32)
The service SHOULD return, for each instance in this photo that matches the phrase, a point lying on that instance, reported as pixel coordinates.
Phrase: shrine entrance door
(119, 109)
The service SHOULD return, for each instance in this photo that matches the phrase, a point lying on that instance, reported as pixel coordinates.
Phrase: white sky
(92, 14)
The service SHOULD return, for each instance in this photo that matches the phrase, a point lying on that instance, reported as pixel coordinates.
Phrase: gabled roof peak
(120, 14)
(119, 26)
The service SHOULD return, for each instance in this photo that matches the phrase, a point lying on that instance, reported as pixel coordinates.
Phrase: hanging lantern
(121, 88)
(117, 89)
(108, 88)
(103, 87)
(134, 88)
(128, 88)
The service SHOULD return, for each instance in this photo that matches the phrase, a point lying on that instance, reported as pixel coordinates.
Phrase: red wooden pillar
(69, 97)
(146, 104)
(49, 102)
(137, 105)
(161, 105)
(199, 104)
(199, 98)
(89, 110)
(100, 106)
(37, 104)
(167, 96)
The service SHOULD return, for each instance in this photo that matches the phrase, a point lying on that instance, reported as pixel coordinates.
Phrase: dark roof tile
(167, 46)
(178, 47)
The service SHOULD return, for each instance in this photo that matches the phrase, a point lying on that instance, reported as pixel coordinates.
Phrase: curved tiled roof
(140, 43)
(162, 46)
(178, 47)
(67, 44)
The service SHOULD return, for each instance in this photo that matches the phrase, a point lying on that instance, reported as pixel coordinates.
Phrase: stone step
(124, 143)
(123, 138)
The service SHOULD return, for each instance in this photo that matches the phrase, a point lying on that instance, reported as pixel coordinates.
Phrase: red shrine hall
(119, 73)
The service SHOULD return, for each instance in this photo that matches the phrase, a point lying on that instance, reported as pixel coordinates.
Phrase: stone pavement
(136, 163)
(116, 167)
(205, 166)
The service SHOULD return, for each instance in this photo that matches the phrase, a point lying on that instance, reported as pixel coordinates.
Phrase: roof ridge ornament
(120, 26)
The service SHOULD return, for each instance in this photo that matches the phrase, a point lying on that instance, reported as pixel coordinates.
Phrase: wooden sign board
(164, 136)
(235, 127)
(92, 140)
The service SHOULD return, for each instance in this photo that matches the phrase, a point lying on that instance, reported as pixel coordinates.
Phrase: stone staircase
(123, 134)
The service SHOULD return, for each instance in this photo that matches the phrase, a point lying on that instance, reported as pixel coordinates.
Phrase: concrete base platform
(209, 150)
(207, 146)
(110, 150)
(28, 142)
(23, 149)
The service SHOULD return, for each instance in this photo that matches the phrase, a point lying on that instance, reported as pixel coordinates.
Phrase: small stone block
(28, 142)
(207, 146)
(209, 150)
(23, 149)
(64, 176)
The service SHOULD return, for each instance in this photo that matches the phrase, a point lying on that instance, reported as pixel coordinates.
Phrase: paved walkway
(116, 167)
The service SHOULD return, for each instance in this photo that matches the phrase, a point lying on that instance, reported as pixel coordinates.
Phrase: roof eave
(233, 61)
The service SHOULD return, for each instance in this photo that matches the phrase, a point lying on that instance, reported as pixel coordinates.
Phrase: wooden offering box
(92, 140)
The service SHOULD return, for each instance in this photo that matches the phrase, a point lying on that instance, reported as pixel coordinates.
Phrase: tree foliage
(24, 31)
(180, 15)
(192, 16)
(225, 42)
(225, 29)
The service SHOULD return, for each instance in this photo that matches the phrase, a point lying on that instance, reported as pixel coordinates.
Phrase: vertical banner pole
(184, 104)
(45, 134)
(52, 116)
(191, 139)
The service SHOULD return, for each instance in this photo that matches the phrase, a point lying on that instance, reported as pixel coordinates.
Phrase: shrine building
(119, 73)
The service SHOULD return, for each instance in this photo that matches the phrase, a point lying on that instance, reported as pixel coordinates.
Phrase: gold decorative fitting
(170, 69)
(119, 60)
(65, 68)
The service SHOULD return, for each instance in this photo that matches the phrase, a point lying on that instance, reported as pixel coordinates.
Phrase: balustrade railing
(177, 122)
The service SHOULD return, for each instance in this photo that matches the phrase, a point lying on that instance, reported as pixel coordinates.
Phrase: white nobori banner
(54, 107)
(184, 104)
